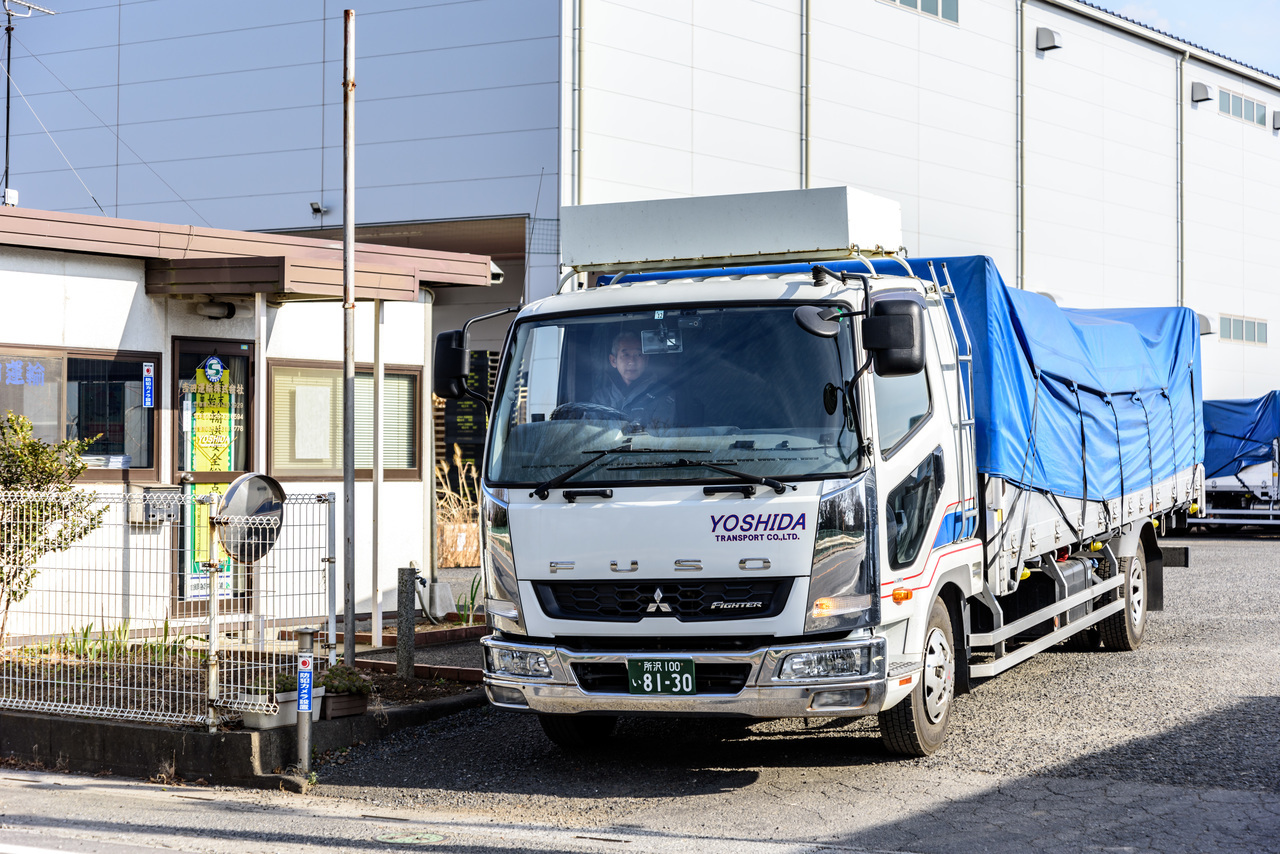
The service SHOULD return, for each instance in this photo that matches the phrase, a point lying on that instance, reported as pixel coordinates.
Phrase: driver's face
(630, 361)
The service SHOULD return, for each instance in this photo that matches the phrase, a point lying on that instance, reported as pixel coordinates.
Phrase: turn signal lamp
(900, 595)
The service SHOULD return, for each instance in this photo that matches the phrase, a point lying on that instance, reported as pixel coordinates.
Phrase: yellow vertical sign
(211, 432)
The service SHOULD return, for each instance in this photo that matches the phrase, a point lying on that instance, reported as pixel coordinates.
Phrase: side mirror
(450, 366)
(894, 335)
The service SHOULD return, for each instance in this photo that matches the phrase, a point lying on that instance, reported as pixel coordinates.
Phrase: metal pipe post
(211, 569)
(306, 669)
(404, 622)
(349, 338)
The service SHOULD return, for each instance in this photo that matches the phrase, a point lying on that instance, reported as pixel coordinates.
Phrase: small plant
(466, 603)
(341, 679)
(263, 683)
(457, 513)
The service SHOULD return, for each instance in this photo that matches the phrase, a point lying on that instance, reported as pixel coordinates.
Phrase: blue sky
(1243, 31)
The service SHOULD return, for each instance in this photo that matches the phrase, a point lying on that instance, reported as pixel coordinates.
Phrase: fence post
(331, 560)
(404, 621)
(211, 567)
(306, 667)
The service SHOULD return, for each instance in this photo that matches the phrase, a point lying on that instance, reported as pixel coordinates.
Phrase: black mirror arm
(466, 331)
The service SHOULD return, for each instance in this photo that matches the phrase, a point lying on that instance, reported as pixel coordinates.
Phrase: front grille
(707, 678)
(686, 601)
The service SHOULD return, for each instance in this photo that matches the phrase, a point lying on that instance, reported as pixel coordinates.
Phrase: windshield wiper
(543, 490)
(776, 485)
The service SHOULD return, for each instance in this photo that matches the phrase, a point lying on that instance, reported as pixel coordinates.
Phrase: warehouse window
(1240, 107)
(83, 395)
(947, 10)
(306, 422)
(1248, 330)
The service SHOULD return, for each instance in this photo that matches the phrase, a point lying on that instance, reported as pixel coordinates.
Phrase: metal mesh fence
(113, 608)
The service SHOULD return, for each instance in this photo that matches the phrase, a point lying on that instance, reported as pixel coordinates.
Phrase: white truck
(749, 463)
(1242, 463)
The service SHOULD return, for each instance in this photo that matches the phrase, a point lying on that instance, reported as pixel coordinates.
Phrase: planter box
(288, 714)
(341, 705)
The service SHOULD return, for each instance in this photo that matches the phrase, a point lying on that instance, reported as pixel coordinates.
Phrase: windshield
(675, 394)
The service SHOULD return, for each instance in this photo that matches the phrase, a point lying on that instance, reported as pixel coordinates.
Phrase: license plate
(661, 675)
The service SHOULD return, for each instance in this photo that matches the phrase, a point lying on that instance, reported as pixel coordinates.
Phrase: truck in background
(758, 466)
(1242, 463)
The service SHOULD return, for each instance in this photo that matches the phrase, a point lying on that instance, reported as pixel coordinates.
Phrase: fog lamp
(824, 664)
(518, 662)
(504, 696)
(853, 698)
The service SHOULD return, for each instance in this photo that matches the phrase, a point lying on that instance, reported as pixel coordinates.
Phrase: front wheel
(578, 733)
(1123, 632)
(917, 725)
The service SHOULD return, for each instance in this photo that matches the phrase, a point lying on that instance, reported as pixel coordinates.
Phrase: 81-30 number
(679, 682)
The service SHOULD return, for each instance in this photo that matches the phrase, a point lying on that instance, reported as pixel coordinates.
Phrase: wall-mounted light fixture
(216, 310)
(317, 209)
(1200, 92)
(1047, 39)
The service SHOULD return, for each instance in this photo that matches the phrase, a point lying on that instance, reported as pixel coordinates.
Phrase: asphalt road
(1172, 748)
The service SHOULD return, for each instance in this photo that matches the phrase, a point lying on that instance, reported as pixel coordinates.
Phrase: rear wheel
(917, 725)
(578, 732)
(1123, 631)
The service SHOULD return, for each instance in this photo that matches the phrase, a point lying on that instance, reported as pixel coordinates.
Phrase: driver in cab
(628, 387)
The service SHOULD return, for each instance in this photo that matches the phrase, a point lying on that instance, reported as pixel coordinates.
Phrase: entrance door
(214, 435)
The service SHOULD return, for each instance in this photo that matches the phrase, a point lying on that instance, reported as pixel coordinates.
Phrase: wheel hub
(939, 675)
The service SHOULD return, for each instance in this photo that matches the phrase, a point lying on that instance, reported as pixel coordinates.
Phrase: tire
(1123, 632)
(578, 733)
(917, 725)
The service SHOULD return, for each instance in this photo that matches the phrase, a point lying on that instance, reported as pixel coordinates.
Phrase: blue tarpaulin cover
(1090, 403)
(1239, 433)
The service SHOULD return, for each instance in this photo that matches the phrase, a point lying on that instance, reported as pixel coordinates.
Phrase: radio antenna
(8, 71)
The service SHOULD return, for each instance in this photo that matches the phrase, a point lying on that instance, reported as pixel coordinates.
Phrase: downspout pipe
(804, 93)
(577, 102)
(1021, 213)
(1182, 252)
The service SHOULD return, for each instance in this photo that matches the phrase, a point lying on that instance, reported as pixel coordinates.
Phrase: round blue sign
(213, 369)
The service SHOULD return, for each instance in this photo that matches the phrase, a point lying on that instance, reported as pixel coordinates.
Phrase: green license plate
(661, 675)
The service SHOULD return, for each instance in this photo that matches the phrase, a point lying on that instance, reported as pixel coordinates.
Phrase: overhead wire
(34, 114)
(117, 136)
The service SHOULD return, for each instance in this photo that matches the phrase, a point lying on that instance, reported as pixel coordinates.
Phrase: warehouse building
(1096, 159)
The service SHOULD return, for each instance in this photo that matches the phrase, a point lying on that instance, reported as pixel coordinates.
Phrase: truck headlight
(501, 590)
(844, 585)
(518, 662)
(824, 664)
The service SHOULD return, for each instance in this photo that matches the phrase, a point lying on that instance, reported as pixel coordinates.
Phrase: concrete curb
(241, 757)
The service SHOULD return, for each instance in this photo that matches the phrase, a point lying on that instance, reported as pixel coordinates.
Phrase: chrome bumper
(764, 695)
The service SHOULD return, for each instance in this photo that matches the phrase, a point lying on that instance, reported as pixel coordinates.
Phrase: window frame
(1231, 98)
(361, 474)
(917, 7)
(150, 474)
(1244, 321)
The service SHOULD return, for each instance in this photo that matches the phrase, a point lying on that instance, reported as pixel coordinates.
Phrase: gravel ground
(1193, 714)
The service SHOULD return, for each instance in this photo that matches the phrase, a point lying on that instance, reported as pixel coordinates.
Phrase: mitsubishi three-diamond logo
(657, 604)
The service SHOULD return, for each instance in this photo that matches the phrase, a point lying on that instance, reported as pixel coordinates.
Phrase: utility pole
(349, 335)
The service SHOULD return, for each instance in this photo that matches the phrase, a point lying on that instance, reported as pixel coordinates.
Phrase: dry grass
(457, 514)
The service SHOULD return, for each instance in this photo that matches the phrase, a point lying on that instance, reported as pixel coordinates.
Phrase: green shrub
(341, 679)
